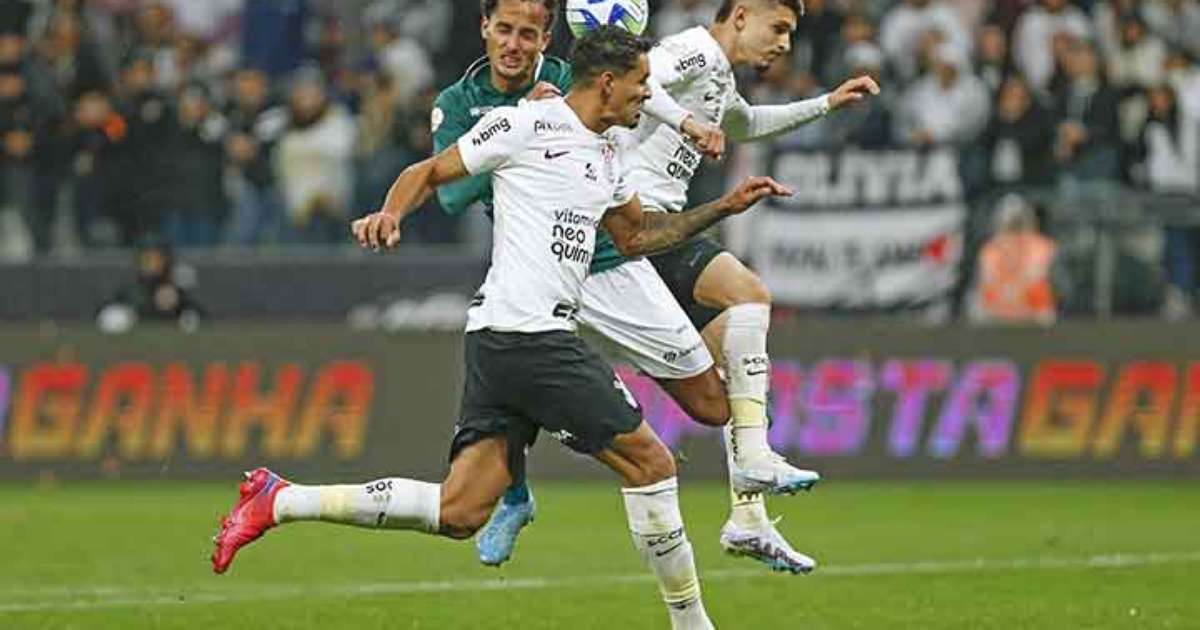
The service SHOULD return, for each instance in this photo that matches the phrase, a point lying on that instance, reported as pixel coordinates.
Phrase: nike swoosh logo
(664, 552)
(551, 156)
(755, 373)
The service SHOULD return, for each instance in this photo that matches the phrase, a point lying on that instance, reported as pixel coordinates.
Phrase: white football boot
(766, 545)
(759, 470)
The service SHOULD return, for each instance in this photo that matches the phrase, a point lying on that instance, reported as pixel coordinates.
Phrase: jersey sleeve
(449, 121)
(745, 122)
(625, 142)
(497, 137)
(663, 107)
(622, 192)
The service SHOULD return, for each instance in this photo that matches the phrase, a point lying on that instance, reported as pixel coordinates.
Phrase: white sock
(748, 511)
(659, 536)
(747, 369)
(385, 503)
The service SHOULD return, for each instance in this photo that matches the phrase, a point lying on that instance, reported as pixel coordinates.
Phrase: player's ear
(739, 17)
(545, 41)
(607, 79)
(483, 27)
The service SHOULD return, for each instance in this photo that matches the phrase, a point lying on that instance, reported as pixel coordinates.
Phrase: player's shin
(747, 368)
(385, 503)
(658, 534)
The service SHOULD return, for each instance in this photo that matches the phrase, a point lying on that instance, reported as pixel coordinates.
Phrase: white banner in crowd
(864, 230)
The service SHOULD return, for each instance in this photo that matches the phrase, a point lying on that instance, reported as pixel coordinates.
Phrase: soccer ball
(587, 15)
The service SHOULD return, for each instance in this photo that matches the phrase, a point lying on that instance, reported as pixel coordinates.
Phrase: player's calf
(460, 522)
(478, 477)
(640, 458)
(702, 397)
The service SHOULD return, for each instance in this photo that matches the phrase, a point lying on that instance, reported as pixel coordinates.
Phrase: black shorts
(681, 267)
(519, 383)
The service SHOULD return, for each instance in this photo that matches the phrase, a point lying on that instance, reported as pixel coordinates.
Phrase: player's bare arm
(411, 189)
(638, 233)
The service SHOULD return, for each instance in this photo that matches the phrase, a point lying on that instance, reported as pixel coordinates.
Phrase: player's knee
(752, 290)
(736, 286)
(656, 464)
(713, 409)
(663, 466)
(703, 397)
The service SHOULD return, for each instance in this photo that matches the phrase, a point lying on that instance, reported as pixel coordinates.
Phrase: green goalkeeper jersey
(461, 105)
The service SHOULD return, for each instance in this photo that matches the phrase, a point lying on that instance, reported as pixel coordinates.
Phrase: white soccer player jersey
(553, 180)
(694, 70)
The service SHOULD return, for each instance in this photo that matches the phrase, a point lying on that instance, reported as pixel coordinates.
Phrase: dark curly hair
(607, 49)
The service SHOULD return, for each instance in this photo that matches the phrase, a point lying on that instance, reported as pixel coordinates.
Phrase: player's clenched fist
(376, 230)
(709, 139)
(853, 91)
(751, 191)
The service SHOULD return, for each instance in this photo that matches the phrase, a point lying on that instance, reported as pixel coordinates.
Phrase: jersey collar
(562, 102)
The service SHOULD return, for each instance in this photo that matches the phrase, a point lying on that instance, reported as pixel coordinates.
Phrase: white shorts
(629, 314)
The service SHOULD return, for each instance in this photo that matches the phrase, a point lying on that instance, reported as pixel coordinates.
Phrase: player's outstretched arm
(852, 91)
(709, 139)
(744, 122)
(638, 233)
(408, 192)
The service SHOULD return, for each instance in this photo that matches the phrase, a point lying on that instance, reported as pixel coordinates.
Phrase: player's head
(515, 32)
(761, 29)
(612, 63)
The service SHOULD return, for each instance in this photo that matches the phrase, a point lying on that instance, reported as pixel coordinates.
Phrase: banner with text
(865, 230)
(849, 398)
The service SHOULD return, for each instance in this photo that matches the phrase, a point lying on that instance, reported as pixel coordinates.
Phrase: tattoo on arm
(661, 231)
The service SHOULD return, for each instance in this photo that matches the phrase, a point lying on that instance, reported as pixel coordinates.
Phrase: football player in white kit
(625, 308)
(726, 301)
(660, 339)
(558, 178)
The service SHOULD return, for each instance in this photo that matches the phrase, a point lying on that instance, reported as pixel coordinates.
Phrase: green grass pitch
(894, 555)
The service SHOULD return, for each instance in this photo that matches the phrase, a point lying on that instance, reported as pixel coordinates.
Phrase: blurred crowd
(258, 122)
(1037, 95)
(1052, 88)
(215, 122)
